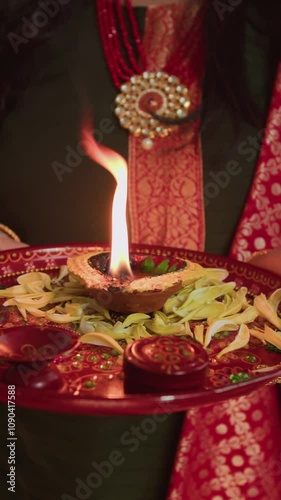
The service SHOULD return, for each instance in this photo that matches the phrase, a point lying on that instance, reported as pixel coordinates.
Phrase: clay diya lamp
(164, 364)
(153, 280)
(30, 350)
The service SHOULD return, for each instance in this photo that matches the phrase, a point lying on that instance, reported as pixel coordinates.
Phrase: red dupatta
(260, 224)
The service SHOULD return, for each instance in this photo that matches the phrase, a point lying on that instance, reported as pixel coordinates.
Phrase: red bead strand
(120, 72)
(136, 33)
(102, 17)
(116, 44)
(126, 41)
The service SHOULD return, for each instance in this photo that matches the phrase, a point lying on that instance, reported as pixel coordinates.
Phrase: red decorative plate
(92, 376)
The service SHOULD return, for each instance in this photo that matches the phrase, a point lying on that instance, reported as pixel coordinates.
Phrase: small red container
(35, 343)
(163, 364)
(30, 350)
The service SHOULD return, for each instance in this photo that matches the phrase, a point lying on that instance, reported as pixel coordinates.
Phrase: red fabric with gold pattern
(230, 450)
(260, 224)
(170, 174)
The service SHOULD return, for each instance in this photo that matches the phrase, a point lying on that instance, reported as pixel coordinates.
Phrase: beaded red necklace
(145, 95)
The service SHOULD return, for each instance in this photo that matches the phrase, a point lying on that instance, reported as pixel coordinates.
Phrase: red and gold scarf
(169, 175)
(260, 224)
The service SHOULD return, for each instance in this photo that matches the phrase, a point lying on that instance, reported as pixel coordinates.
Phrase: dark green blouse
(51, 193)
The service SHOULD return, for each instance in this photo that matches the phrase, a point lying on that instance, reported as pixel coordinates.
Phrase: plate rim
(130, 404)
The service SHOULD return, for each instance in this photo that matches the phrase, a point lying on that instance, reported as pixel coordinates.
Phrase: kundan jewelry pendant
(145, 97)
(150, 103)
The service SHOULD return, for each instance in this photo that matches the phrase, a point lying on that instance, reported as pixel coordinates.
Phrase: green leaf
(271, 347)
(173, 268)
(162, 267)
(148, 265)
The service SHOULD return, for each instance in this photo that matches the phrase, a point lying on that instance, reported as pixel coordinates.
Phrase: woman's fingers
(270, 260)
(7, 243)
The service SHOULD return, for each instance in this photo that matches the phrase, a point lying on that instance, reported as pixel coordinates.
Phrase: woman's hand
(7, 243)
(271, 261)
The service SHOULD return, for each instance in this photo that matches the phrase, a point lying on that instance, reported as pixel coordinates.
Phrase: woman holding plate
(203, 146)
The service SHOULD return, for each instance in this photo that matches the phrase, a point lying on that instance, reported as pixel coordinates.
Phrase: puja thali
(89, 379)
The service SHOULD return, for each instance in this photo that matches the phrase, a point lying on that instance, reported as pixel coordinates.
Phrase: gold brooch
(146, 96)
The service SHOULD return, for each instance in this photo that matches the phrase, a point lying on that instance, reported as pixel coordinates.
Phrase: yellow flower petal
(241, 340)
(220, 325)
(266, 310)
(101, 339)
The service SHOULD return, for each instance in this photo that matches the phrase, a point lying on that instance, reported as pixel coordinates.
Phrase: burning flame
(117, 166)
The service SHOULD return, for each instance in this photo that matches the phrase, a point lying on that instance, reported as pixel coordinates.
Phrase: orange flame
(117, 166)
